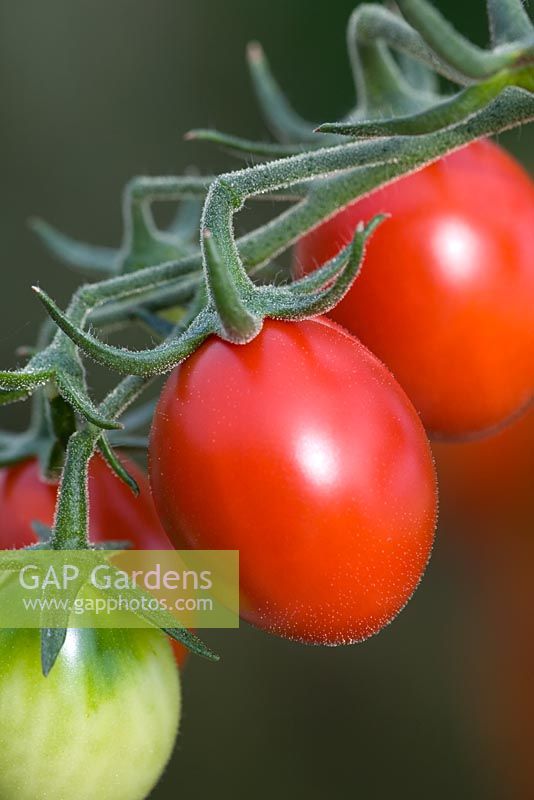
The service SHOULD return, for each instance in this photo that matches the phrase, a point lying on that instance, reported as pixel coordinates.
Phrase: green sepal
(38, 441)
(320, 292)
(116, 465)
(52, 641)
(192, 642)
(246, 147)
(444, 114)
(453, 48)
(43, 533)
(236, 320)
(57, 364)
(285, 123)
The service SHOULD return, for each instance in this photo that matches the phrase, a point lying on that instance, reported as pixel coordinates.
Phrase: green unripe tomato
(101, 725)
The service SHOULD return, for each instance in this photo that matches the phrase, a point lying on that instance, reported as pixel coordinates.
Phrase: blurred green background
(91, 93)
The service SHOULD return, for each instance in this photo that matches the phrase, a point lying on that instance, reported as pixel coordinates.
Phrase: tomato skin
(115, 512)
(446, 294)
(101, 725)
(300, 450)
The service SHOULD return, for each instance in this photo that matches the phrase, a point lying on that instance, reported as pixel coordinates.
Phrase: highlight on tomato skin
(318, 471)
(446, 293)
(116, 514)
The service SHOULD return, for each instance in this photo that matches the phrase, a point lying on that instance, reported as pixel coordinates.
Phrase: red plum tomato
(301, 451)
(445, 297)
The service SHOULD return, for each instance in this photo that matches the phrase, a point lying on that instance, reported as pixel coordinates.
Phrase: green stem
(452, 47)
(450, 111)
(395, 156)
(381, 87)
(405, 154)
(71, 524)
(370, 22)
(167, 187)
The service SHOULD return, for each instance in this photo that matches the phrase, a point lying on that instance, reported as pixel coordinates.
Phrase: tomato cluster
(301, 451)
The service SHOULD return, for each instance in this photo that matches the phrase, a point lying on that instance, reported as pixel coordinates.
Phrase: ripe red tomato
(446, 294)
(115, 512)
(301, 451)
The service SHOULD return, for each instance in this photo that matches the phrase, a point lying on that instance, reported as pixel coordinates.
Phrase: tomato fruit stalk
(116, 514)
(301, 451)
(101, 725)
(446, 293)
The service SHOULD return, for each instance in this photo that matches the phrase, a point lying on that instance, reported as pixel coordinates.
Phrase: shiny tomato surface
(446, 294)
(301, 451)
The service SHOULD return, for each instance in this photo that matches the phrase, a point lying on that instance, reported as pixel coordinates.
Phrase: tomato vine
(402, 122)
